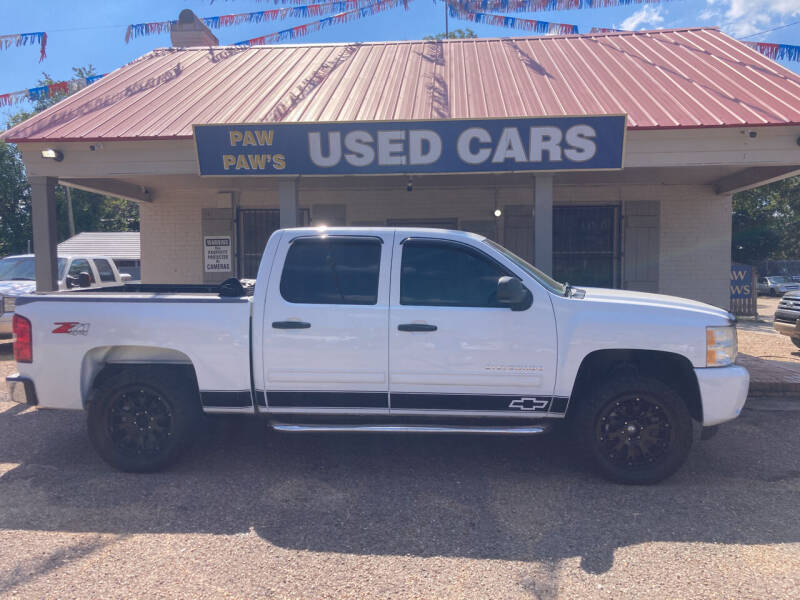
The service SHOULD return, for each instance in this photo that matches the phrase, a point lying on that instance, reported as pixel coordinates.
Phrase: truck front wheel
(635, 429)
(141, 418)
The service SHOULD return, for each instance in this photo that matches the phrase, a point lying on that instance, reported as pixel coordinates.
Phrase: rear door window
(104, 269)
(331, 270)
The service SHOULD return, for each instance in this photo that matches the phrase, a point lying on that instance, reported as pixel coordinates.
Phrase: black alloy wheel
(141, 418)
(635, 429)
(140, 421)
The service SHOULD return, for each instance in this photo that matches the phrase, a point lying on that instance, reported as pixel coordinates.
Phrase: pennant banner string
(513, 22)
(302, 11)
(48, 91)
(776, 51)
(544, 5)
(23, 39)
(305, 29)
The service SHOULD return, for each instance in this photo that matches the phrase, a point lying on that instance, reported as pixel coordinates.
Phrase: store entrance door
(255, 227)
(586, 245)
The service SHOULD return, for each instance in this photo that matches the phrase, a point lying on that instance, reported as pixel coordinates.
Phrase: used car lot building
(706, 117)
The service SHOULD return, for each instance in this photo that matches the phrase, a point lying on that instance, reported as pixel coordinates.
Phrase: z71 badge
(72, 328)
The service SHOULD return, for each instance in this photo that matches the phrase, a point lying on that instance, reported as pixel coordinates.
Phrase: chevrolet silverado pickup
(385, 330)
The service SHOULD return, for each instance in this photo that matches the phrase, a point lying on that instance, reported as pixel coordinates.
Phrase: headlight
(721, 346)
(9, 304)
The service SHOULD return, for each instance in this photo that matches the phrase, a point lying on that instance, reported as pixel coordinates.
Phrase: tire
(634, 429)
(795, 341)
(772, 292)
(141, 418)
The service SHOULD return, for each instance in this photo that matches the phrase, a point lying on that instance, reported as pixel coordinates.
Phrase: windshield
(780, 279)
(547, 281)
(22, 268)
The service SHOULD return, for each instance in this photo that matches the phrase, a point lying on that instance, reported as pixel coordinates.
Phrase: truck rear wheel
(635, 429)
(142, 418)
(796, 341)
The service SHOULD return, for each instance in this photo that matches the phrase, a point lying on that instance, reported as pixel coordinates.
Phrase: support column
(43, 206)
(287, 195)
(543, 223)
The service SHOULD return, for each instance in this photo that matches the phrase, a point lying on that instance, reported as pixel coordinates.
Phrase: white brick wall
(695, 224)
(695, 245)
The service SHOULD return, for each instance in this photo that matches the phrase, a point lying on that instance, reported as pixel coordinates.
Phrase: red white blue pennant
(344, 17)
(544, 5)
(23, 39)
(302, 11)
(776, 51)
(545, 27)
(48, 91)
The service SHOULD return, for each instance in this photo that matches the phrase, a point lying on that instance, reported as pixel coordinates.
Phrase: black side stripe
(479, 402)
(405, 401)
(284, 399)
(226, 399)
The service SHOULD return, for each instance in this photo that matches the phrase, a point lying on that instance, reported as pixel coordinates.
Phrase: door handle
(290, 325)
(416, 327)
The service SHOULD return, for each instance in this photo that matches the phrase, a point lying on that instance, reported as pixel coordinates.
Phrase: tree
(15, 203)
(92, 212)
(456, 34)
(766, 222)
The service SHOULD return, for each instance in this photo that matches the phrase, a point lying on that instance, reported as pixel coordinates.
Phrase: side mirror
(511, 292)
(84, 280)
(125, 277)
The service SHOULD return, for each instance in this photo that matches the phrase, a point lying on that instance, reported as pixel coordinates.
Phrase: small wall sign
(218, 254)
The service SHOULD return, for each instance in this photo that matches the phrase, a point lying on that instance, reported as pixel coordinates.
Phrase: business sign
(379, 147)
(744, 293)
(218, 254)
(741, 281)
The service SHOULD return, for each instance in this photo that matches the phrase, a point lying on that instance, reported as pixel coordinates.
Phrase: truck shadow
(476, 497)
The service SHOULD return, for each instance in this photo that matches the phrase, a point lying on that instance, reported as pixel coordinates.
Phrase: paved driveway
(251, 513)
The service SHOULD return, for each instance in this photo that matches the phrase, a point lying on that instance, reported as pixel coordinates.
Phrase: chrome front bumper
(792, 330)
(21, 390)
(723, 391)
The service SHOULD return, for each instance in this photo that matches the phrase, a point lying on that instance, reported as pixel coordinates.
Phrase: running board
(502, 430)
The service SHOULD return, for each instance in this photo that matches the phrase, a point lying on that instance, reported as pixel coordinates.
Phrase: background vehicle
(787, 317)
(776, 285)
(17, 277)
(385, 330)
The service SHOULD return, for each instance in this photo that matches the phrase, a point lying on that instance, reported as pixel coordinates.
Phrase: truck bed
(76, 332)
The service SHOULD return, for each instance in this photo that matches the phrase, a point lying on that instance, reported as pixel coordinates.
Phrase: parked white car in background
(777, 285)
(17, 277)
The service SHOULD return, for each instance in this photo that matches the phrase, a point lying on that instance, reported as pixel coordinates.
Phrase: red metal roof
(680, 78)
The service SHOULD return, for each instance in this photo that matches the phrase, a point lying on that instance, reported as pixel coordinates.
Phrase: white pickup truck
(386, 330)
(74, 271)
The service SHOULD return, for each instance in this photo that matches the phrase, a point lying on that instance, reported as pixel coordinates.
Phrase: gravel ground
(253, 513)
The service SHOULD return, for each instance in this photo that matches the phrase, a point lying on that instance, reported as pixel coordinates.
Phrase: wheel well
(185, 372)
(671, 369)
(103, 362)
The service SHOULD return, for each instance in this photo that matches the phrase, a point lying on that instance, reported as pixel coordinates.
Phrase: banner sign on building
(405, 147)
(744, 293)
(218, 254)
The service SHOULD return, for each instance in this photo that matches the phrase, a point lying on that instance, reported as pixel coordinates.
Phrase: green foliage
(455, 34)
(15, 203)
(92, 212)
(766, 222)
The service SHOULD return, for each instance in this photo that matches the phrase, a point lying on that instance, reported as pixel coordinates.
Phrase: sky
(83, 32)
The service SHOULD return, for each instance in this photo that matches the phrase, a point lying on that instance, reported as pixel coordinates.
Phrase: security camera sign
(218, 256)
